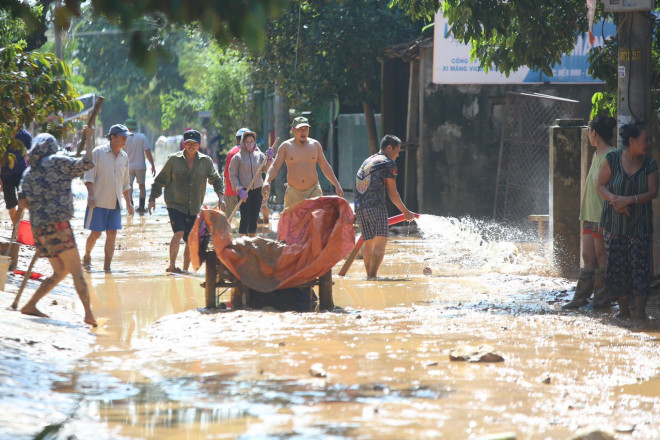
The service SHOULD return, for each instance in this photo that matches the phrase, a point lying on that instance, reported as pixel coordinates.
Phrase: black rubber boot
(583, 289)
(602, 299)
(640, 308)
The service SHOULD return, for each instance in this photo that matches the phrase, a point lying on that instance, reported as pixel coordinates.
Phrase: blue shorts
(104, 219)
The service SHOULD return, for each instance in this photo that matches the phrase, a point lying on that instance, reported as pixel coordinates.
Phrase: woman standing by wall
(592, 274)
(628, 181)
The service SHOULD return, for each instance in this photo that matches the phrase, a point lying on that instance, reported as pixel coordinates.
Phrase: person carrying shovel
(243, 168)
(376, 176)
(46, 192)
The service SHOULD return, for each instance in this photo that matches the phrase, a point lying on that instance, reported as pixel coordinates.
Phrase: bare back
(301, 160)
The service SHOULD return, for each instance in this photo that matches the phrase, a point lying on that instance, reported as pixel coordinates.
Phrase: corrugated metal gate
(523, 168)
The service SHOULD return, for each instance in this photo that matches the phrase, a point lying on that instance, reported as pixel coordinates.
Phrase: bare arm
(274, 168)
(620, 203)
(327, 171)
(151, 161)
(396, 198)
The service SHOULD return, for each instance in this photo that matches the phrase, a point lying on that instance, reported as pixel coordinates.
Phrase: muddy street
(161, 366)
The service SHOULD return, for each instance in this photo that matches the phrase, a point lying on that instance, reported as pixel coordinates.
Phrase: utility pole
(634, 68)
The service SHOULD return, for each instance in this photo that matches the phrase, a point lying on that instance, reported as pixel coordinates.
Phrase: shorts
(372, 221)
(591, 228)
(293, 196)
(181, 222)
(10, 190)
(104, 219)
(140, 175)
(53, 239)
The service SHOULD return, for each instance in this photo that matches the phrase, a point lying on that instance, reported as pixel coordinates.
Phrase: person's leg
(254, 206)
(13, 215)
(230, 204)
(245, 212)
(89, 245)
(112, 226)
(377, 253)
(585, 281)
(640, 265)
(174, 249)
(109, 248)
(601, 296)
(59, 272)
(131, 180)
(140, 176)
(190, 222)
(178, 223)
(71, 260)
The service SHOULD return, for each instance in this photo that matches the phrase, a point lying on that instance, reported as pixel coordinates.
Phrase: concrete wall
(460, 140)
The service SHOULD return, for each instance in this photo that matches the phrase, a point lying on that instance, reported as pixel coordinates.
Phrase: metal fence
(523, 168)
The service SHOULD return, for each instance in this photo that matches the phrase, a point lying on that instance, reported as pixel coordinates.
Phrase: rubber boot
(624, 310)
(601, 299)
(640, 308)
(583, 289)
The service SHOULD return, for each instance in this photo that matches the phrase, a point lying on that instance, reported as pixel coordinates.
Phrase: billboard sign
(452, 63)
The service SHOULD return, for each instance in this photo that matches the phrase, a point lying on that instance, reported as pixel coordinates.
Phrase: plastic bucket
(5, 262)
(24, 235)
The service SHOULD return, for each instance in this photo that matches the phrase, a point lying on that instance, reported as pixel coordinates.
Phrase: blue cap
(120, 130)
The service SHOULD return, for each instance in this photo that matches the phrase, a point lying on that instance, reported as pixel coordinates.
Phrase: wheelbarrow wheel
(211, 279)
(325, 292)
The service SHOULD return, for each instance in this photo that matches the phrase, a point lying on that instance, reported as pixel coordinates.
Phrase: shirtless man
(301, 155)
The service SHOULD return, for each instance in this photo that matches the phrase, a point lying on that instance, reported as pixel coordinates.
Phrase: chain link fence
(523, 168)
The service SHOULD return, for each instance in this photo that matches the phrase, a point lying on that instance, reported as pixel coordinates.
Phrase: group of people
(110, 170)
(617, 220)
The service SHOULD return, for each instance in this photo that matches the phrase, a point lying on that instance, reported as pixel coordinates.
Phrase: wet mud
(161, 366)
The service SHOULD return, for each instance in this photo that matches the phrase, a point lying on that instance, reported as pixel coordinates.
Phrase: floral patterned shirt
(46, 184)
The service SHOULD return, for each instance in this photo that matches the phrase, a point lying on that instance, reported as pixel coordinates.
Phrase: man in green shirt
(184, 179)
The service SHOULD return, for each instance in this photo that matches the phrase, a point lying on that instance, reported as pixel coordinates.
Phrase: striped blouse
(640, 221)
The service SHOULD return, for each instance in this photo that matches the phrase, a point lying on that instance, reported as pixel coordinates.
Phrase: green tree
(35, 88)
(512, 34)
(216, 80)
(318, 50)
(224, 19)
(103, 50)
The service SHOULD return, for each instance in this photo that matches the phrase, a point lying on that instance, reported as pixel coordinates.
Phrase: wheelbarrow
(219, 279)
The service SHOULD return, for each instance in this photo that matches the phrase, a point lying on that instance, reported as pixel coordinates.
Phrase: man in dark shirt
(183, 179)
(11, 176)
(376, 176)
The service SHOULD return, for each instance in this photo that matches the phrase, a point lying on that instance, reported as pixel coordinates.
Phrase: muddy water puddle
(162, 367)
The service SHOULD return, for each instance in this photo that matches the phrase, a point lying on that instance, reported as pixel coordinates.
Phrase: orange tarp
(313, 236)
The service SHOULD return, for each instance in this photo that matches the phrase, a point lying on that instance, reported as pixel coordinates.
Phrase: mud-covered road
(160, 366)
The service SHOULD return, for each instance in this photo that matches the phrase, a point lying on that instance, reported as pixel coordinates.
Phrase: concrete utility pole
(282, 130)
(634, 85)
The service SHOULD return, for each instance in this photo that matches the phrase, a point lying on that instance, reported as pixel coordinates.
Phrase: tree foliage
(216, 80)
(319, 49)
(35, 88)
(103, 49)
(512, 34)
(224, 19)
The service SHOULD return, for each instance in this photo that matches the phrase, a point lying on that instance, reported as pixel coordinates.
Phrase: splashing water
(463, 246)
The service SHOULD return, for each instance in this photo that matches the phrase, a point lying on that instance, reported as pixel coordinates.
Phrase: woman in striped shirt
(628, 181)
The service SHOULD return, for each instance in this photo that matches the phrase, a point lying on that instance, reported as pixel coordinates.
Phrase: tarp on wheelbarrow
(313, 235)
